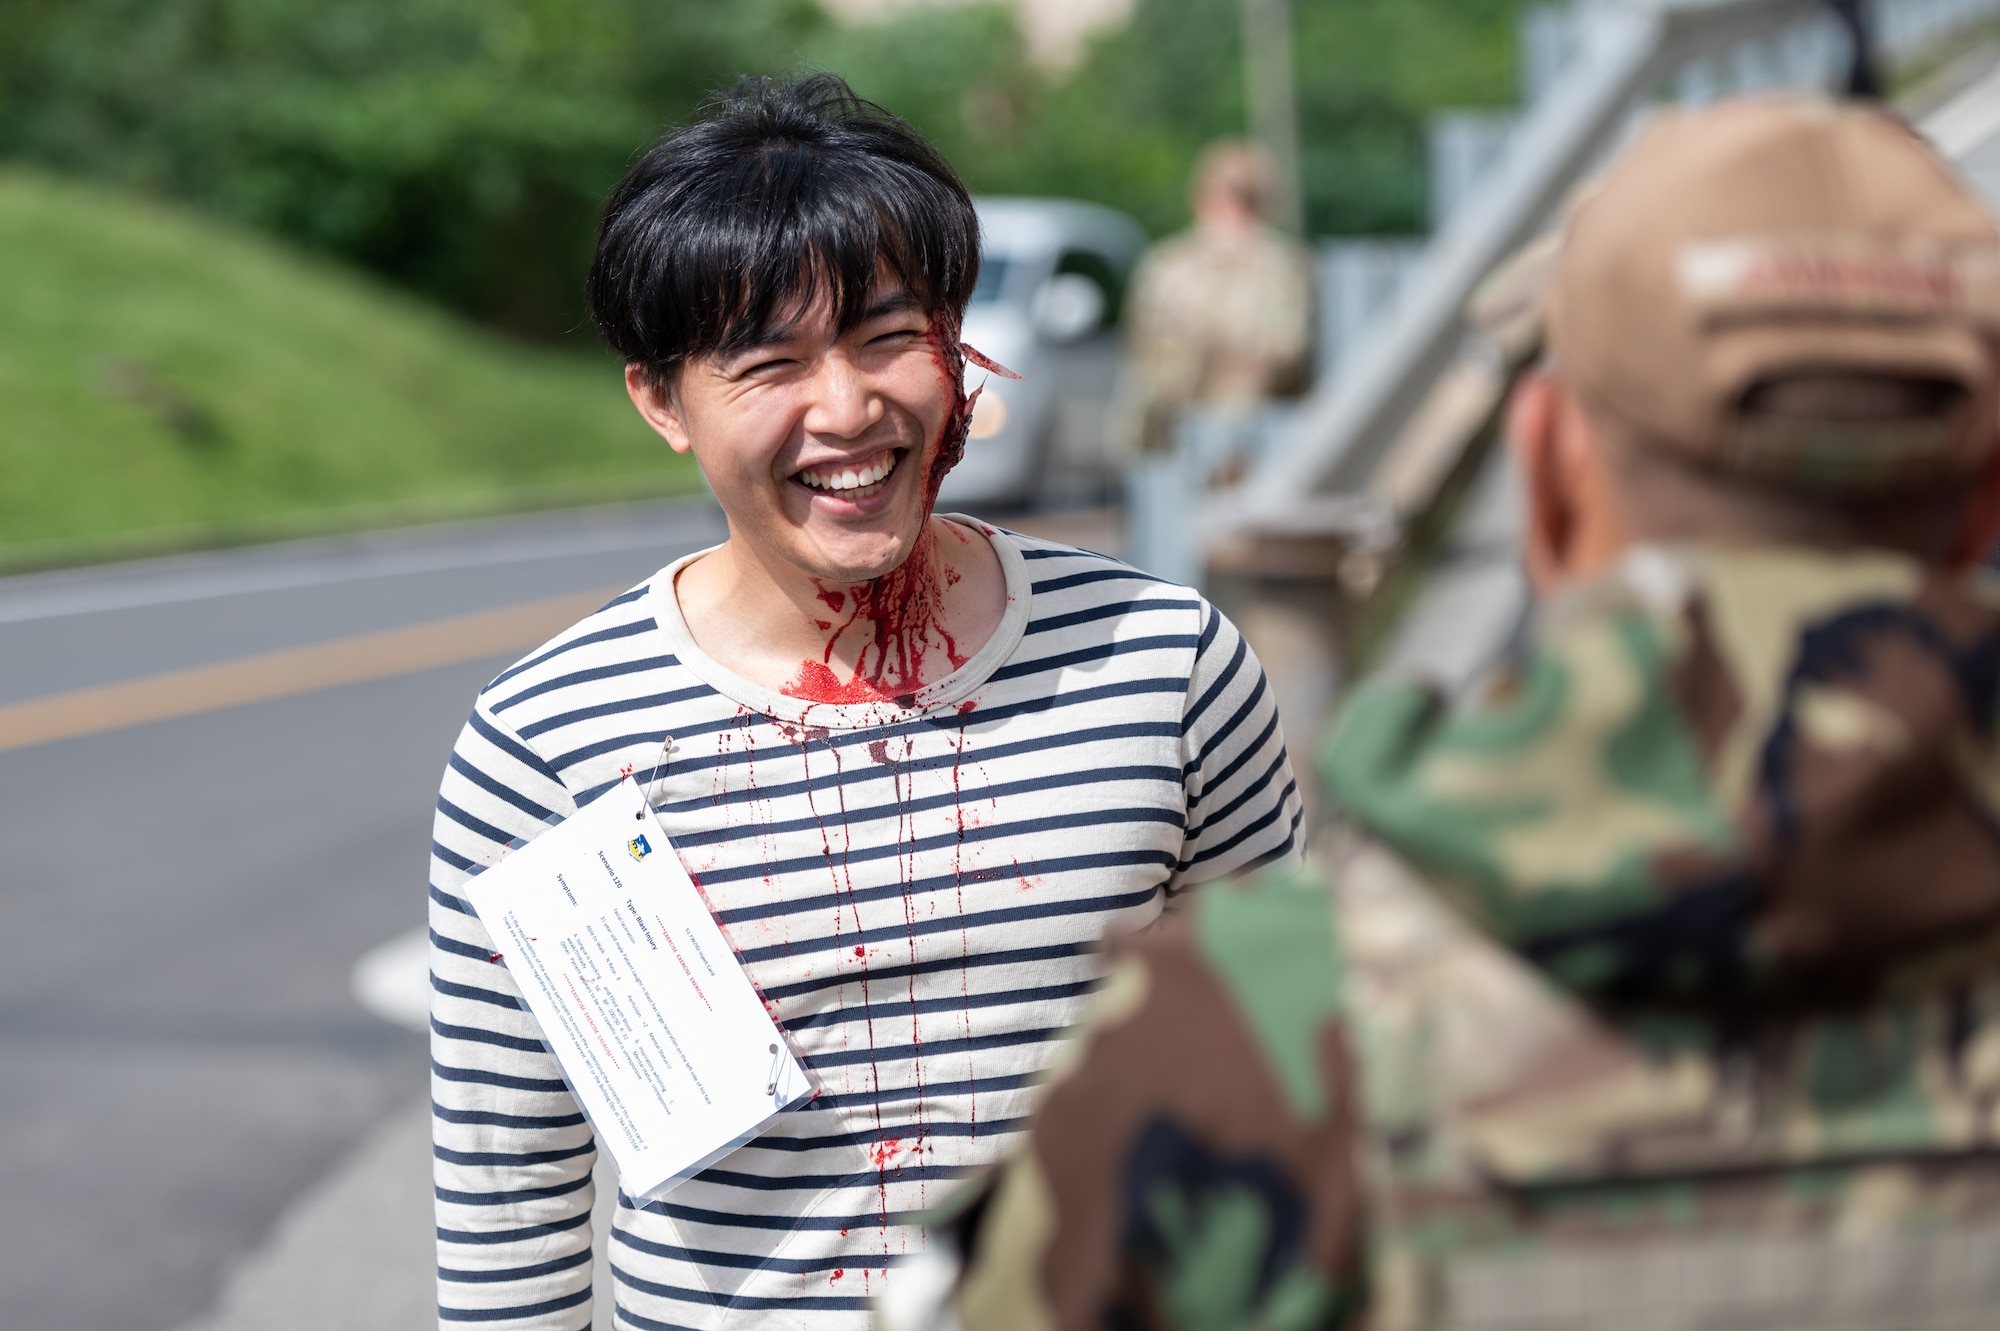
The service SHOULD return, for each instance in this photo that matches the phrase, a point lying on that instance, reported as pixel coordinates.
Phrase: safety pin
(659, 775)
(777, 1062)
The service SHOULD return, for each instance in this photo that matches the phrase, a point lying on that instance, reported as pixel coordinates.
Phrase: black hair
(778, 192)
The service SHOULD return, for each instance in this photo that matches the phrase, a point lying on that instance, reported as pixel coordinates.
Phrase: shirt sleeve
(1243, 807)
(512, 1154)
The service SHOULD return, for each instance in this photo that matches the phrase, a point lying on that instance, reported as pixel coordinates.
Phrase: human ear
(1534, 412)
(656, 407)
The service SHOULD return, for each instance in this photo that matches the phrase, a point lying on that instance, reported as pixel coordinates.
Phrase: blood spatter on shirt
(898, 618)
(1028, 878)
(802, 735)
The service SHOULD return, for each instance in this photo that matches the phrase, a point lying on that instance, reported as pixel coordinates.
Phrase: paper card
(661, 1036)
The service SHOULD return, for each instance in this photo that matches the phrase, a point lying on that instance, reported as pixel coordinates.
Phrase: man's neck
(836, 642)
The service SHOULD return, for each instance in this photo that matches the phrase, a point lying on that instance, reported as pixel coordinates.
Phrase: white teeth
(849, 478)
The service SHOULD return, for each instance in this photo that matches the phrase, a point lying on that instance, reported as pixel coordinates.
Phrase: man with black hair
(918, 764)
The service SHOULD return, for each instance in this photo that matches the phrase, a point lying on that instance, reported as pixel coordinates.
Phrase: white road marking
(393, 981)
(196, 577)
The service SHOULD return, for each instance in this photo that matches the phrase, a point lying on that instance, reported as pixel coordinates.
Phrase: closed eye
(756, 369)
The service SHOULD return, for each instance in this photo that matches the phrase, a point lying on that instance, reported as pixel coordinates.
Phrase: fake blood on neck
(900, 615)
(899, 621)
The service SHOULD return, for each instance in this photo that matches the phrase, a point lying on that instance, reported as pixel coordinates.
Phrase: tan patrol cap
(1771, 236)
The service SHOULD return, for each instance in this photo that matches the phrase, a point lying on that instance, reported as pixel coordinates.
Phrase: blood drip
(948, 354)
(903, 609)
(901, 613)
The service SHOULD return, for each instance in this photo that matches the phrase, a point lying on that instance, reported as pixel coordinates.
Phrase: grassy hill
(168, 382)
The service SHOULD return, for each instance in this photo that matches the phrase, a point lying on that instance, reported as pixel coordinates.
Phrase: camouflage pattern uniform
(1216, 320)
(1657, 987)
(1723, 1050)
(1192, 1162)
(1737, 1063)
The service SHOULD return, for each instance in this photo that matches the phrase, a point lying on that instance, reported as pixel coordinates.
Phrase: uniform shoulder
(1267, 941)
(1171, 251)
(1207, 1108)
(1296, 251)
(1271, 934)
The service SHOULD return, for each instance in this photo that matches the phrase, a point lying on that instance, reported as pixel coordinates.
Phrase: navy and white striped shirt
(915, 889)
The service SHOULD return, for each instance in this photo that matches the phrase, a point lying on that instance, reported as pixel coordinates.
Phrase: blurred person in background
(1660, 981)
(917, 764)
(1220, 316)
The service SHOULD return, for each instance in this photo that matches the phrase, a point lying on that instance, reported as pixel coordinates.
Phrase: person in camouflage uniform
(1669, 959)
(1220, 316)
(1194, 1167)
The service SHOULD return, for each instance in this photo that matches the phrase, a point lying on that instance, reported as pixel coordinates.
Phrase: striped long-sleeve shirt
(915, 888)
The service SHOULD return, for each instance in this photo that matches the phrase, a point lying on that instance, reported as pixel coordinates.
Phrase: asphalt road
(182, 899)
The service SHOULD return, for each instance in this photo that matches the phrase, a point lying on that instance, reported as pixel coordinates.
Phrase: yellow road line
(295, 670)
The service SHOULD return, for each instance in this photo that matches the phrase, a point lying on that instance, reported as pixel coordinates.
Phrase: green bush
(1124, 127)
(462, 148)
(173, 382)
(459, 147)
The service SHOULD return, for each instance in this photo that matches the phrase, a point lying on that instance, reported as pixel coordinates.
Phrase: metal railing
(1379, 424)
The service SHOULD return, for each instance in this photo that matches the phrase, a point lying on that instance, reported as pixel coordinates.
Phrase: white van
(1051, 282)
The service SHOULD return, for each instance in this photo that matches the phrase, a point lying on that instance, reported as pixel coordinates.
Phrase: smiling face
(818, 443)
